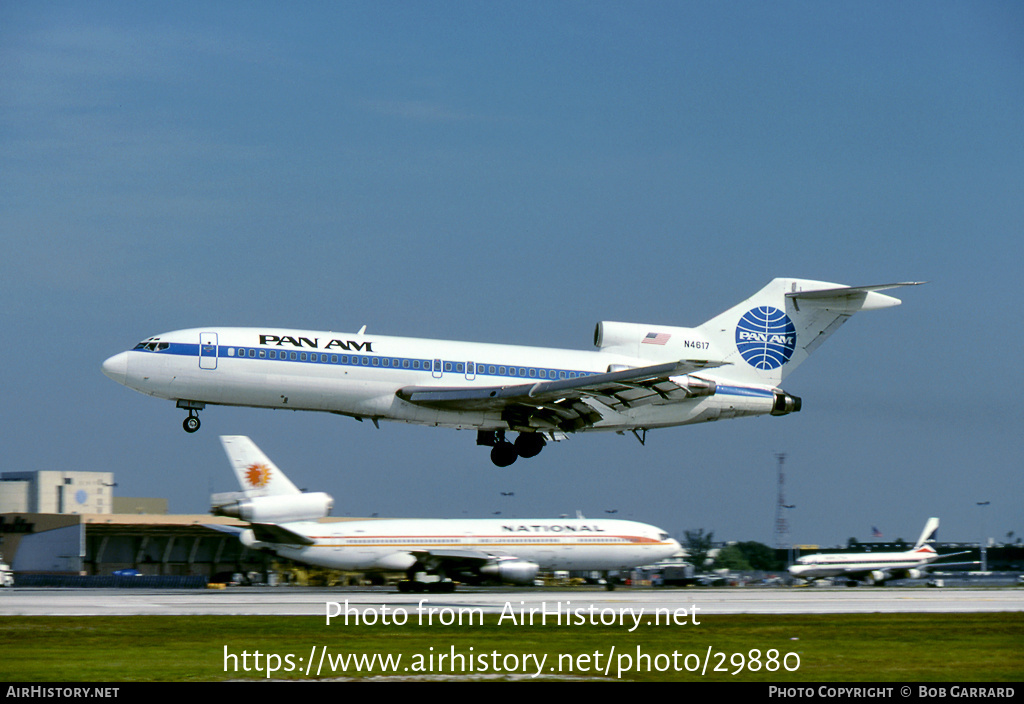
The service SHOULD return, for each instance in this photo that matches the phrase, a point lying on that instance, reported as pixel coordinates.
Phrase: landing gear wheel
(191, 424)
(529, 444)
(503, 454)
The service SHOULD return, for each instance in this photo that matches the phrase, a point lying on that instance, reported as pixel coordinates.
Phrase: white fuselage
(836, 564)
(359, 374)
(553, 544)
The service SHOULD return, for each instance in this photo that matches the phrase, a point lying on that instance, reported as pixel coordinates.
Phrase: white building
(56, 492)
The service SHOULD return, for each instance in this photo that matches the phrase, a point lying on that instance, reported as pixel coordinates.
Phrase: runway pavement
(306, 601)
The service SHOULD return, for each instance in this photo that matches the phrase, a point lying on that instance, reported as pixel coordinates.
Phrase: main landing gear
(191, 424)
(503, 452)
(443, 585)
(412, 585)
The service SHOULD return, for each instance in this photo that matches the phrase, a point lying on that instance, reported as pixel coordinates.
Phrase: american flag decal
(656, 338)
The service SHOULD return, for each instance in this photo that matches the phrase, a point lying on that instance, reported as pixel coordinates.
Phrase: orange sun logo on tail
(258, 475)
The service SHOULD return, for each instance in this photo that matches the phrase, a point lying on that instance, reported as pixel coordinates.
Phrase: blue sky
(515, 172)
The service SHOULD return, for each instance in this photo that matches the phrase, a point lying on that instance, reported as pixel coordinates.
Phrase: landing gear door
(207, 350)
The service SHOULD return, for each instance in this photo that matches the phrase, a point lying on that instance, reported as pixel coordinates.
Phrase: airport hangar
(69, 524)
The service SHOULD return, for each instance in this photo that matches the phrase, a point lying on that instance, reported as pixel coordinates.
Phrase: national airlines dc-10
(641, 376)
(285, 521)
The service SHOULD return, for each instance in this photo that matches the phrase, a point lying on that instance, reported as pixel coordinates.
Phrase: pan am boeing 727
(640, 377)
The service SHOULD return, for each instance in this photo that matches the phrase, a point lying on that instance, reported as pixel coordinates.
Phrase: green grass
(831, 648)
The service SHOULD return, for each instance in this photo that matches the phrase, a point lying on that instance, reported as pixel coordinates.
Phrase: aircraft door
(437, 369)
(207, 350)
(470, 371)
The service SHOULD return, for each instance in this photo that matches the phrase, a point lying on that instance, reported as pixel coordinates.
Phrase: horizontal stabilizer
(273, 533)
(231, 530)
(851, 298)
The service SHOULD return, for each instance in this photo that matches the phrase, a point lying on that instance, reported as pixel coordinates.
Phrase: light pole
(984, 531)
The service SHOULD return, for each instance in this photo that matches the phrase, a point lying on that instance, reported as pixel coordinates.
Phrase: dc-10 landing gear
(191, 424)
(503, 452)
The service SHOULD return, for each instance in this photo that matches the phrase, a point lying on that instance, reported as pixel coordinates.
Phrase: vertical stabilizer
(767, 336)
(928, 534)
(257, 475)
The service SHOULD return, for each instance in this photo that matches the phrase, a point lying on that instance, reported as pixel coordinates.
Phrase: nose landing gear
(191, 424)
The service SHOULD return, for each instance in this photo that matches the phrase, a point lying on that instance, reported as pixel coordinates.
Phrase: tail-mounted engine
(278, 509)
(784, 403)
(695, 386)
(650, 341)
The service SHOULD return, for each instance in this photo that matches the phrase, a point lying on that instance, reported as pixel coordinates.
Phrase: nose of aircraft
(117, 367)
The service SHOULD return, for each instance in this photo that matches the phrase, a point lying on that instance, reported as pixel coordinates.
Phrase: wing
(560, 405)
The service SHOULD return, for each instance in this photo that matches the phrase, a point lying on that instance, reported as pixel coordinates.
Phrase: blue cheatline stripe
(373, 360)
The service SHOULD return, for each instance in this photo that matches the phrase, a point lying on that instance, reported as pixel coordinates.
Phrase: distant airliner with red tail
(875, 567)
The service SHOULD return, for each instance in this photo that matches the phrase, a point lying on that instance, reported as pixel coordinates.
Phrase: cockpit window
(152, 346)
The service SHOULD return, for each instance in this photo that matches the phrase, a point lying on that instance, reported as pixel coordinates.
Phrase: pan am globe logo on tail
(765, 337)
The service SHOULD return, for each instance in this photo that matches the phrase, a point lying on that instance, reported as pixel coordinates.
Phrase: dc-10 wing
(551, 405)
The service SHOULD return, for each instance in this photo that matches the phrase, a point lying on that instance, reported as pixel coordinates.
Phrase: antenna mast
(781, 525)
